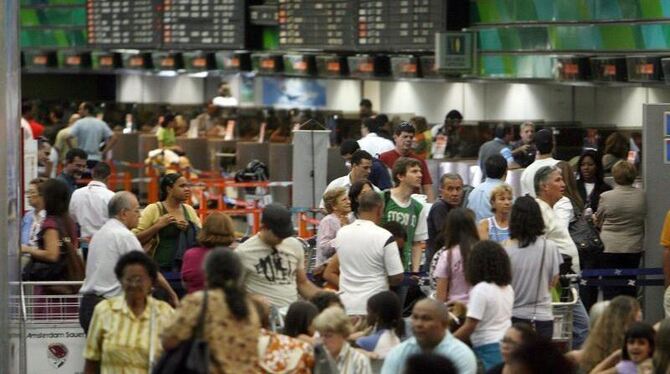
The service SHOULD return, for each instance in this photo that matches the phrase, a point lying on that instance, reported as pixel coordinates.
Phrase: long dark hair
(168, 180)
(224, 271)
(459, 229)
(354, 191)
(56, 197)
(299, 318)
(488, 263)
(386, 310)
(638, 330)
(597, 160)
(526, 223)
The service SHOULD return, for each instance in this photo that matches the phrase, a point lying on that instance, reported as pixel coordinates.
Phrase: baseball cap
(543, 137)
(277, 219)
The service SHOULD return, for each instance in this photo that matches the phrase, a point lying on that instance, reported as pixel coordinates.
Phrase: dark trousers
(86, 307)
(620, 261)
(543, 328)
(589, 294)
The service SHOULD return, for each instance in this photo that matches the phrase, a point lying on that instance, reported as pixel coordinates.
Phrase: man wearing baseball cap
(275, 261)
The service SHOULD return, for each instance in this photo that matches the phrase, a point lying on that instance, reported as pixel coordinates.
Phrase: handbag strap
(200, 327)
(539, 281)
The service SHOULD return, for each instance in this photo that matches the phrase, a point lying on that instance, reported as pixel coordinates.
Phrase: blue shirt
(26, 223)
(69, 181)
(453, 349)
(90, 132)
(379, 175)
(479, 199)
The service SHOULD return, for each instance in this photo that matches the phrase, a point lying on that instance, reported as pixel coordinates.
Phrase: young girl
(491, 301)
(496, 228)
(636, 354)
(385, 315)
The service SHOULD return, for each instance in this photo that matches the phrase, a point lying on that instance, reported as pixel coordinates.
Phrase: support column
(10, 177)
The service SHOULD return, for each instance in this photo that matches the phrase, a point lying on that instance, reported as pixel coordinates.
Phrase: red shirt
(192, 273)
(37, 128)
(390, 157)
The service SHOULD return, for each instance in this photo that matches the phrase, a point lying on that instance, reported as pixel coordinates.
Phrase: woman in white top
(491, 300)
(496, 228)
(571, 205)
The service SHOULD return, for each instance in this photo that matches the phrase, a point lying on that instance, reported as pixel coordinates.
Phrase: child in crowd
(491, 301)
(388, 326)
(635, 355)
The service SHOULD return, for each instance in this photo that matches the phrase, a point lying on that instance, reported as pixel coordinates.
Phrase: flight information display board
(52, 24)
(317, 24)
(125, 23)
(400, 25)
(202, 24)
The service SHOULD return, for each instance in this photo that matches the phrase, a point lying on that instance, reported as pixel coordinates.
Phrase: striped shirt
(352, 361)
(119, 340)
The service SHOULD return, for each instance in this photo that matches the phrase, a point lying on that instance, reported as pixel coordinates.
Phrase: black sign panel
(124, 23)
(202, 24)
(317, 24)
(400, 25)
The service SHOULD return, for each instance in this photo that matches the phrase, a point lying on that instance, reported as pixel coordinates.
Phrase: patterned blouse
(284, 354)
(232, 343)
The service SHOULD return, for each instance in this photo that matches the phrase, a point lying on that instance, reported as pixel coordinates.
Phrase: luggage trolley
(54, 340)
(563, 321)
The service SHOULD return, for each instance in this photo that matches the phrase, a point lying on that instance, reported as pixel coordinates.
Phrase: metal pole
(12, 346)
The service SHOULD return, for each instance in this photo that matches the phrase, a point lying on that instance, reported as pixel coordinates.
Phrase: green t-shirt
(410, 218)
(166, 136)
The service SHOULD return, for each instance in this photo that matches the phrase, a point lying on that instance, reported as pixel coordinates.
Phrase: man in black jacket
(451, 196)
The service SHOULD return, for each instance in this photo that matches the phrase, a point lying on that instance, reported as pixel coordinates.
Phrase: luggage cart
(563, 321)
(53, 339)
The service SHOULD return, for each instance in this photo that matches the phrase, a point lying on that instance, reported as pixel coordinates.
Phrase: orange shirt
(665, 233)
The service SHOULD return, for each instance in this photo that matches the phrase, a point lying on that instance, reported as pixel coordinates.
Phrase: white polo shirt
(88, 207)
(111, 242)
(368, 254)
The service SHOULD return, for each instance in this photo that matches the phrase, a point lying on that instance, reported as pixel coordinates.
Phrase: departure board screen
(400, 25)
(317, 24)
(204, 24)
(52, 23)
(124, 23)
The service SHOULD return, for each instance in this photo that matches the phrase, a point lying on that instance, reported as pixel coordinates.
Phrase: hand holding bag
(192, 355)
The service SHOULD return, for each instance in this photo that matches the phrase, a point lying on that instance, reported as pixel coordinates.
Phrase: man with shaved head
(430, 320)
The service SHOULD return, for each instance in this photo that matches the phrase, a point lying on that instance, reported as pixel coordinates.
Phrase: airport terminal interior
(335, 186)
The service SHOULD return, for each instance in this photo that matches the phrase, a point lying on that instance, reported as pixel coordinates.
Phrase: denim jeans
(488, 354)
(580, 325)
(543, 328)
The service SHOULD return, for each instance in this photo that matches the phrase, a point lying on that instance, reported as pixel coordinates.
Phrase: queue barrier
(608, 277)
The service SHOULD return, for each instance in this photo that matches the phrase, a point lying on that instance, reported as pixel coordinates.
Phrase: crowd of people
(402, 281)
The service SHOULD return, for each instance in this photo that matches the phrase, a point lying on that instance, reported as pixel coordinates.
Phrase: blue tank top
(497, 233)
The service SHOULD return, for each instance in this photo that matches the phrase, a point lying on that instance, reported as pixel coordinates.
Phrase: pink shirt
(459, 289)
(192, 272)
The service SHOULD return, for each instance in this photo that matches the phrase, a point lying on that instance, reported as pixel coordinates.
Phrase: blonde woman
(338, 206)
(335, 327)
(496, 228)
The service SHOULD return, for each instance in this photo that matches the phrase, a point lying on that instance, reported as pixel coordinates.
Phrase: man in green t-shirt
(399, 206)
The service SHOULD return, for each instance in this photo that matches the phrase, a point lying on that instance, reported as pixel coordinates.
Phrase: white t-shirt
(564, 211)
(588, 187)
(492, 306)
(88, 207)
(528, 175)
(368, 254)
(375, 144)
(272, 274)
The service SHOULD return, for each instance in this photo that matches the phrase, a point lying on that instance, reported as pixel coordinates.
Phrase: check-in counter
(281, 170)
(195, 150)
(248, 151)
(126, 149)
(146, 143)
(221, 154)
(336, 165)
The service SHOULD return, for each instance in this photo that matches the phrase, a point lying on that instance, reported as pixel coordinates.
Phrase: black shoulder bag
(192, 355)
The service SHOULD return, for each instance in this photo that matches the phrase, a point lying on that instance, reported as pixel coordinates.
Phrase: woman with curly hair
(608, 333)
(616, 149)
(491, 301)
(591, 179)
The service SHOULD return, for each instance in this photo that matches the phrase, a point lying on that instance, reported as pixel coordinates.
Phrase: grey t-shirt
(526, 263)
(272, 274)
(90, 132)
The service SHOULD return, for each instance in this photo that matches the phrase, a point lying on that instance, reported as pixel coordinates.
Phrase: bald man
(430, 320)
